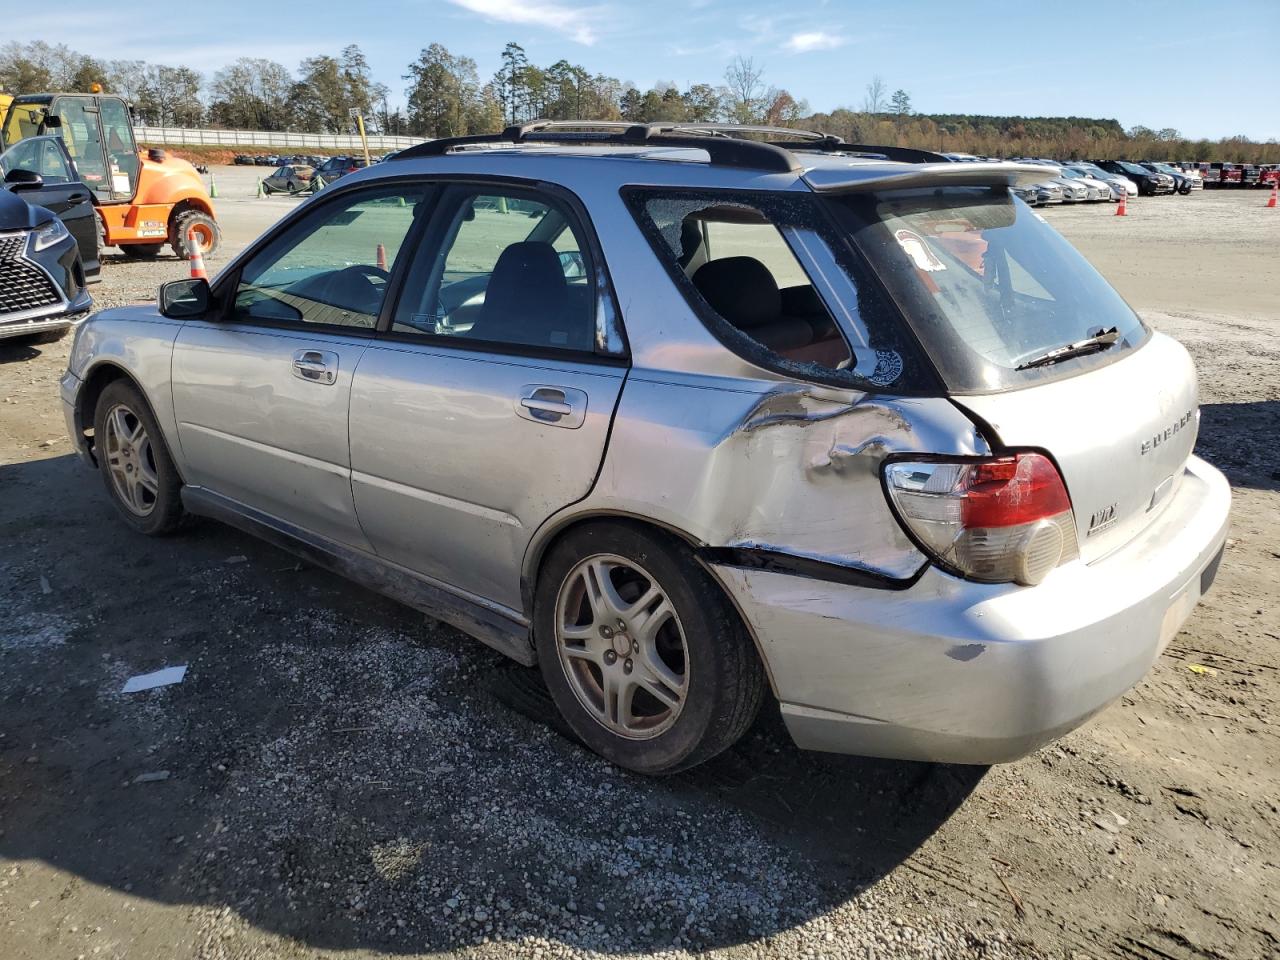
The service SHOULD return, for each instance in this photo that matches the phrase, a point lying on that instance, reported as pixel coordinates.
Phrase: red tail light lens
(1005, 519)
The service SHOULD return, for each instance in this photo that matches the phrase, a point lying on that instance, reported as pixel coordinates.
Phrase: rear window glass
(776, 282)
(988, 285)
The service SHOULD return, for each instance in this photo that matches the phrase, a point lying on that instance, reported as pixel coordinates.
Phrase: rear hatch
(1035, 345)
(1120, 434)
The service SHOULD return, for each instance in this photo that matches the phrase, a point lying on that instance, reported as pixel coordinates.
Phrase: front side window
(987, 284)
(775, 282)
(510, 268)
(331, 268)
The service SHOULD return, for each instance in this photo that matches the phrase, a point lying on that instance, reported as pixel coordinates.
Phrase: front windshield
(987, 283)
(1134, 168)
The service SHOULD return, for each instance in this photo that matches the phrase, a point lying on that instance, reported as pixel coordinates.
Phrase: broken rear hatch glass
(1032, 342)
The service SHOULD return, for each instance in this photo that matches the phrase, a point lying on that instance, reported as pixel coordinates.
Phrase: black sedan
(42, 288)
(1150, 183)
(42, 169)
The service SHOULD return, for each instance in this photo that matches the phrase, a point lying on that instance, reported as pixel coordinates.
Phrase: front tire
(644, 656)
(205, 228)
(134, 461)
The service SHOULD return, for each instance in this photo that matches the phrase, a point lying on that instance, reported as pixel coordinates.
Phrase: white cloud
(574, 23)
(813, 40)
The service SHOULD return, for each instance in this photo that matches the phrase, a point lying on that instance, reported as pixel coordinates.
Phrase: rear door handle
(555, 406)
(316, 366)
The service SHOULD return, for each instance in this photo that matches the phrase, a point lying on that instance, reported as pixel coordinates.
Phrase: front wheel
(642, 653)
(195, 222)
(136, 468)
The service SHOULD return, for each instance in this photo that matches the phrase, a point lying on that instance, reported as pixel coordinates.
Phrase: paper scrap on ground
(161, 678)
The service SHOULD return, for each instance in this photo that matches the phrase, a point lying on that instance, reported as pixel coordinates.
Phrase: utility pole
(355, 113)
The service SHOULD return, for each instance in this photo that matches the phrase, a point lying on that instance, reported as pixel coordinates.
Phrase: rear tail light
(1000, 520)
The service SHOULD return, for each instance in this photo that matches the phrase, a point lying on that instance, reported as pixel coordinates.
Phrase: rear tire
(203, 224)
(137, 471)
(643, 654)
(141, 251)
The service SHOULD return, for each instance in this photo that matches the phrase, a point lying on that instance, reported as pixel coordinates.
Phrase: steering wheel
(358, 288)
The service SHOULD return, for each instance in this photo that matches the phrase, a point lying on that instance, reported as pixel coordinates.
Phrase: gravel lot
(337, 776)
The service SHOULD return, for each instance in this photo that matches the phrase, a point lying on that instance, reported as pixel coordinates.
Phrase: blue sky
(1179, 64)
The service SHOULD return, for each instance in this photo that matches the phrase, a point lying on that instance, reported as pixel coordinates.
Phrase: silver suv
(686, 415)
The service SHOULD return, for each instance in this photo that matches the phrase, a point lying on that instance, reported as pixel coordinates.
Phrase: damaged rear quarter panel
(780, 466)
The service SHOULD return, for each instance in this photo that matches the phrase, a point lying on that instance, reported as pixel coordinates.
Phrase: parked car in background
(1268, 175)
(243, 160)
(1097, 189)
(1250, 175)
(43, 171)
(1120, 186)
(938, 530)
(1182, 183)
(1150, 183)
(1050, 191)
(1224, 175)
(336, 167)
(1027, 193)
(288, 178)
(42, 283)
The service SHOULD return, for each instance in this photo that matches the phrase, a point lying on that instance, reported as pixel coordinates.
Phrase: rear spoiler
(853, 179)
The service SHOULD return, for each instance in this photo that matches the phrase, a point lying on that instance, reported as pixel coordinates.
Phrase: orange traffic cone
(1275, 188)
(197, 257)
(1121, 210)
(382, 258)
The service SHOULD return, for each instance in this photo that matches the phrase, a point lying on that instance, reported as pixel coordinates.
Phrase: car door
(261, 393)
(62, 192)
(485, 405)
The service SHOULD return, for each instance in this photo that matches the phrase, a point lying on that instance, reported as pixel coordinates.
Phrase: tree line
(445, 95)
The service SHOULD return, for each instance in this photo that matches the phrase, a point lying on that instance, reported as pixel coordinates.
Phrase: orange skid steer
(144, 199)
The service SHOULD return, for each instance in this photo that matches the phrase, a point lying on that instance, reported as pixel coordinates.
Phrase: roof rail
(724, 143)
(719, 146)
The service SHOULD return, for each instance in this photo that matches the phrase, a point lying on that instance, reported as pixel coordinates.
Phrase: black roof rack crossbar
(724, 143)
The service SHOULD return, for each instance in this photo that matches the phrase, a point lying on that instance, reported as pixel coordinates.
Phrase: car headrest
(527, 278)
(740, 289)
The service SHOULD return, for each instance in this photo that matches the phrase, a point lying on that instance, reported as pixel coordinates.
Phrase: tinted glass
(333, 267)
(988, 284)
(511, 268)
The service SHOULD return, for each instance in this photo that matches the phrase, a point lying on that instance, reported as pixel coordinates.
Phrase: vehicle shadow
(11, 352)
(1243, 441)
(341, 772)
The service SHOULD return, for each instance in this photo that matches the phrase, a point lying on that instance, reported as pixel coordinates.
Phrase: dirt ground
(337, 776)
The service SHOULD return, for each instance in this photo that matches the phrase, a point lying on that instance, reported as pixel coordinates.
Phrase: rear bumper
(960, 672)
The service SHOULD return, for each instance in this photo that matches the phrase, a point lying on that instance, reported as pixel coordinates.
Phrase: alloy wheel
(131, 461)
(622, 647)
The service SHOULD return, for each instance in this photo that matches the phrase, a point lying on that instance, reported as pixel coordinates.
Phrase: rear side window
(772, 278)
(988, 285)
(511, 269)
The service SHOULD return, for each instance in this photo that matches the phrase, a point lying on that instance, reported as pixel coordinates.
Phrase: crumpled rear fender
(767, 470)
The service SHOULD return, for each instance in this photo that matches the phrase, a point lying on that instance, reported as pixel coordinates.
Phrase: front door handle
(552, 405)
(316, 366)
(77, 197)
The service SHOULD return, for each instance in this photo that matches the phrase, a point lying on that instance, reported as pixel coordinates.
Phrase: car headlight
(42, 238)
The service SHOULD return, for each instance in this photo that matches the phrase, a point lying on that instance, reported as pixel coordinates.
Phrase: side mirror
(185, 299)
(572, 265)
(23, 180)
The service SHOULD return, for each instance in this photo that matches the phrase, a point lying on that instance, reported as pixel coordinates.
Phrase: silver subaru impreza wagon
(686, 416)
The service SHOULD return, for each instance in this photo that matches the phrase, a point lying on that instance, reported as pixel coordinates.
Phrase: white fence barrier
(180, 136)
